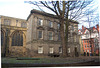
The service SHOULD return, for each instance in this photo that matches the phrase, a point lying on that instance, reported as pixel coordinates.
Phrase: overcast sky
(19, 9)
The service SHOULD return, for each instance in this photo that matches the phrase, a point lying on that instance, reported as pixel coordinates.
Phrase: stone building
(13, 36)
(38, 36)
(43, 37)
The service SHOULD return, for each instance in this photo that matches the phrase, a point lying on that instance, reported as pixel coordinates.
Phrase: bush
(84, 53)
(27, 58)
(2, 55)
(87, 54)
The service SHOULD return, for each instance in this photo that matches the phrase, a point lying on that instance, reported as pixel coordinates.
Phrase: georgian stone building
(13, 36)
(43, 37)
(38, 36)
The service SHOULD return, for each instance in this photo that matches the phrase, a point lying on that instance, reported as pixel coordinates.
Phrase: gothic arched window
(17, 39)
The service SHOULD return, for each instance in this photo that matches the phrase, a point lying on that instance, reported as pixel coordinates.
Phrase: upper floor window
(84, 41)
(72, 27)
(40, 22)
(7, 21)
(50, 24)
(23, 24)
(16, 22)
(50, 35)
(75, 38)
(85, 46)
(87, 41)
(40, 35)
(85, 50)
(58, 26)
(40, 49)
(59, 37)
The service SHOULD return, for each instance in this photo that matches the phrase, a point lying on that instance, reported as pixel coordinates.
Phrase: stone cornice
(44, 42)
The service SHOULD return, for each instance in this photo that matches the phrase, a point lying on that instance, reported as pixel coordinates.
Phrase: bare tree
(64, 10)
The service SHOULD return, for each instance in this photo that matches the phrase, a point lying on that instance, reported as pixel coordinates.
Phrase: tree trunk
(64, 53)
(66, 30)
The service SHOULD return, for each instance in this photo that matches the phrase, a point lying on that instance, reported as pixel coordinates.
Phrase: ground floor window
(68, 50)
(87, 50)
(60, 49)
(40, 49)
(17, 39)
(2, 38)
(51, 49)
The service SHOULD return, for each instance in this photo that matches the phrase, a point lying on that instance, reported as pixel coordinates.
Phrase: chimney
(93, 27)
(82, 27)
(97, 26)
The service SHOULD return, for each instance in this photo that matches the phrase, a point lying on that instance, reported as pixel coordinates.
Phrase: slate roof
(48, 15)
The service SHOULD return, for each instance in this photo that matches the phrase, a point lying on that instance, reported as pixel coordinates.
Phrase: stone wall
(7, 48)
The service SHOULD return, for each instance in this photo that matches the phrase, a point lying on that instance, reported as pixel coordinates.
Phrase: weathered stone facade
(9, 27)
(39, 36)
(33, 42)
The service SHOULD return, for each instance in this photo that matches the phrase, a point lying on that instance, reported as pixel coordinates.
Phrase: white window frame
(40, 21)
(87, 50)
(40, 50)
(42, 34)
(58, 26)
(60, 49)
(51, 50)
(50, 22)
(68, 50)
(49, 35)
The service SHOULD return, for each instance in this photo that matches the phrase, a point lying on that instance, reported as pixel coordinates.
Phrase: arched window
(17, 39)
(2, 38)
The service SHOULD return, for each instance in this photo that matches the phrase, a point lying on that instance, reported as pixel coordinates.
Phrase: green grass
(33, 61)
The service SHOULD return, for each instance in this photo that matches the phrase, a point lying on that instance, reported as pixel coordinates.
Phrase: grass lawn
(39, 61)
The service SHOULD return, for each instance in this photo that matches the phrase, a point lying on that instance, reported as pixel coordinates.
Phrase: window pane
(40, 35)
(40, 22)
(60, 49)
(68, 50)
(23, 24)
(40, 49)
(17, 39)
(59, 38)
(50, 36)
(21, 40)
(7, 21)
(50, 24)
(51, 50)
(58, 26)
(2, 38)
